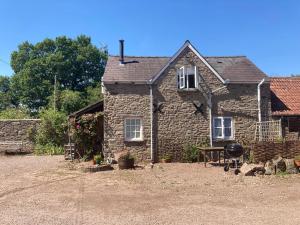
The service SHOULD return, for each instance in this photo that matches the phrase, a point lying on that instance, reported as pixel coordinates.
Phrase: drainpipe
(151, 124)
(259, 108)
(259, 99)
(210, 119)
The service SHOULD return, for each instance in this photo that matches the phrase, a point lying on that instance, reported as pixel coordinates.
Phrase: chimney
(121, 51)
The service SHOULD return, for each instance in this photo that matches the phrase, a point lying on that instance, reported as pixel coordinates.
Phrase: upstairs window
(222, 128)
(187, 77)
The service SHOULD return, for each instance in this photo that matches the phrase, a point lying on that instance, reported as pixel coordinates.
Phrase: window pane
(218, 122)
(127, 122)
(190, 70)
(137, 122)
(191, 81)
(227, 122)
(227, 132)
(138, 134)
(218, 132)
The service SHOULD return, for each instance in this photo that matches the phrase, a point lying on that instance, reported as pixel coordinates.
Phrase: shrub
(167, 157)
(48, 149)
(14, 113)
(190, 153)
(125, 156)
(98, 159)
(86, 134)
(52, 129)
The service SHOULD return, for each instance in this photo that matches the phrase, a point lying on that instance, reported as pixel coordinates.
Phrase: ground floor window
(222, 127)
(133, 129)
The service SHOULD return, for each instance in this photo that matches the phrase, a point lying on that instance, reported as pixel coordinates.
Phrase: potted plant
(126, 161)
(167, 158)
(297, 160)
(98, 159)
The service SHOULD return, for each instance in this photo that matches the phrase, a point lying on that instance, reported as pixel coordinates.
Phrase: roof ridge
(233, 56)
(139, 56)
(284, 77)
(134, 56)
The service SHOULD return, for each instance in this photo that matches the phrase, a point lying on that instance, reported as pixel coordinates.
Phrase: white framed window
(187, 77)
(133, 129)
(223, 128)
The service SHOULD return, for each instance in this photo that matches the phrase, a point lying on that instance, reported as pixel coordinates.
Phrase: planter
(126, 164)
(166, 160)
(297, 162)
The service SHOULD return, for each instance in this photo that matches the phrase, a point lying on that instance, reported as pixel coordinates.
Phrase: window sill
(187, 89)
(222, 139)
(134, 140)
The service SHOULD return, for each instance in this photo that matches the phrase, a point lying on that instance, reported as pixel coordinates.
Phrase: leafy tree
(5, 97)
(75, 63)
(71, 101)
(93, 94)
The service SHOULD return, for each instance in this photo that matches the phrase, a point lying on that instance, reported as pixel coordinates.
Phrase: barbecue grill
(232, 154)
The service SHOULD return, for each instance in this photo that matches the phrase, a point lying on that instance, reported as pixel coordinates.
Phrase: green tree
(76, 63)
(71, 101)
(5, 96)
(93, 94)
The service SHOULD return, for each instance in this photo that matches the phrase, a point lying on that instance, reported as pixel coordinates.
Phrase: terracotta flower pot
(166, 160)
(126, 164)
(297, 162)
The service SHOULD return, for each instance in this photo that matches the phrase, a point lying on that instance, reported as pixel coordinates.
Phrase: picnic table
(204, 150)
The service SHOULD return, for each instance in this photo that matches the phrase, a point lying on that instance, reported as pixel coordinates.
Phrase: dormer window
(187, 78)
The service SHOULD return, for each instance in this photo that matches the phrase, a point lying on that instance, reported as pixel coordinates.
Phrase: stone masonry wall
(16, 131)
(120, 102)
(178, 124)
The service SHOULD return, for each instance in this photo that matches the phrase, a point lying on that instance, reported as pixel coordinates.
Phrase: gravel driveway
(37, 190)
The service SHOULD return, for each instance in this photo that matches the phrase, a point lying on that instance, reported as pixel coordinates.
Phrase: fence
(264, 151)
(268, 131)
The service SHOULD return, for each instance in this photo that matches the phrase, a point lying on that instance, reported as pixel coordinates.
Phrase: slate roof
(285, 96)
(238, 69)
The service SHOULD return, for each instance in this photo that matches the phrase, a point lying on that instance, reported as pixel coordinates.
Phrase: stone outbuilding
(156, 105)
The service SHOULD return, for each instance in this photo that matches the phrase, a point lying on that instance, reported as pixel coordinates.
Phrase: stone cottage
(157, 105)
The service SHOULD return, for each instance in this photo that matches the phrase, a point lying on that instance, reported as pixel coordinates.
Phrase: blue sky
(267, 31)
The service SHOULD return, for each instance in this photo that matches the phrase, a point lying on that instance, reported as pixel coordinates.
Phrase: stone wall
(16, 130)
(264, 151)
(178, 124)
(120, 102)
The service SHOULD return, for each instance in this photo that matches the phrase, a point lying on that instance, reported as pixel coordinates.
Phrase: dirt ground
(39, 190)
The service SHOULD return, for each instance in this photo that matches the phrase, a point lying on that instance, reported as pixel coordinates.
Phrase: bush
(98, 159)
(167, 157)
(52, 129)
(14, 113)
(125, 156)
(86, 134)
(48, 149)
(190, 153)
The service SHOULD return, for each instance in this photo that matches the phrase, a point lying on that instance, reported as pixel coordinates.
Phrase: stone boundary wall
(16, 129)
(265, 151)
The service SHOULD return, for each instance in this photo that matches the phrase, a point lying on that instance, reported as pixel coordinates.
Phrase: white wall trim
(189, 45)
